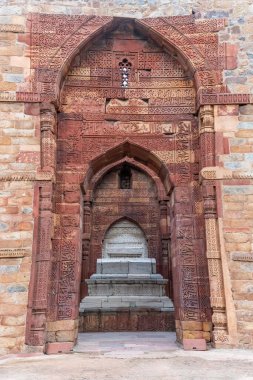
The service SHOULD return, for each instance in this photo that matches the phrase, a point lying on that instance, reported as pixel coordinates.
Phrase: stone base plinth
(136, 320)
(115, 303)
(59, 348)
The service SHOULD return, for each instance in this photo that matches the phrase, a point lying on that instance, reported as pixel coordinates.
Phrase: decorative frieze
(218, 173)
(26, 176)
(242, 256)
(14, 28)
(13, 253)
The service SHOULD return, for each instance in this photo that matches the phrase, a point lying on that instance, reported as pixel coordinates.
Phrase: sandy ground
(115, 361)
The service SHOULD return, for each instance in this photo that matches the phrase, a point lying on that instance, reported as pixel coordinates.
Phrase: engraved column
(217, 297)
(42, 248)
(85, 245)
(165, 235)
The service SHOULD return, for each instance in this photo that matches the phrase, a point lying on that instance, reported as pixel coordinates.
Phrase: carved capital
(209, 198)
(219, 318)
(163, 208)
(206, 119)
(47, 117)
(87, 207)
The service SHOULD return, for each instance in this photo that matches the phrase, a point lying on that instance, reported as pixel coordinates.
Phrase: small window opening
(125, 67)
(125, 176)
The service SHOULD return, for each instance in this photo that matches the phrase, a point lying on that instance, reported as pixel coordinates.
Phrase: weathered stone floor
(130, 356)
(127, 343)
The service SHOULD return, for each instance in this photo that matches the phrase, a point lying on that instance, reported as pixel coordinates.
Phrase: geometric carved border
(218, 173)
(21, 176)
(242, 256)
(195, 40)
(13, 253)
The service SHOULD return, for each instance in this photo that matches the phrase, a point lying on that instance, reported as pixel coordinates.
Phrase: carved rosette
(217, 297)
(48, 136)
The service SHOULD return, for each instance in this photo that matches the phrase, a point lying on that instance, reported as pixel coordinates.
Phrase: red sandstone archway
(154, 206)
(135, 155)
(56, 268)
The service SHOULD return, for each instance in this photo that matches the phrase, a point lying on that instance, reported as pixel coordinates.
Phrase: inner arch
(124, 239)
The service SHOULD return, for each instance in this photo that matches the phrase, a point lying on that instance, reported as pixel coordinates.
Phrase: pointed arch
(131, 220)
(135, 155)
(89, 185)
(132, 232)
(188, 54)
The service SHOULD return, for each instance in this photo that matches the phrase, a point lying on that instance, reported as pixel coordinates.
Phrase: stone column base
(193, 330)
(59, 348)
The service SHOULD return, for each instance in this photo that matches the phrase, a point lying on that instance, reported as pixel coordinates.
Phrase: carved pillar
(217, 297)
(165, 237)
(41, 269)
(43, 224)
(85, 245)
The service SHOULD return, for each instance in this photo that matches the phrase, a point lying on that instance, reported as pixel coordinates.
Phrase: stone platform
(126, 295)
(135, 319)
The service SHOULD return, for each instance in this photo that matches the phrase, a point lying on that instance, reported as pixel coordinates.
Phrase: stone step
(128, 302)
(129, 276)
(126, 266)
(123, 288)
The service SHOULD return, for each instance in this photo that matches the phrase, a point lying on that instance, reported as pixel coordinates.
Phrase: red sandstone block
(72, 196)
(32, 109)
(194, 344)
(59, 347)
(224, 110)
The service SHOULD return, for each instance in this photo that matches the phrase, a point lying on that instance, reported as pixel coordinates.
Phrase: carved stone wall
(36, 52)
(154, 114)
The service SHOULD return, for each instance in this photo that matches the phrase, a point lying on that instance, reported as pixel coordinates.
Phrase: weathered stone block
(13, 321)
(194, 344)
(191, 325)
(61, 325)
(65, 336)
(59, 347)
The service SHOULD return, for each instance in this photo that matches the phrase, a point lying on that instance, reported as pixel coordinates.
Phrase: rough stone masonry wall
(235, 125)
(16, 220)
(19, 148)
